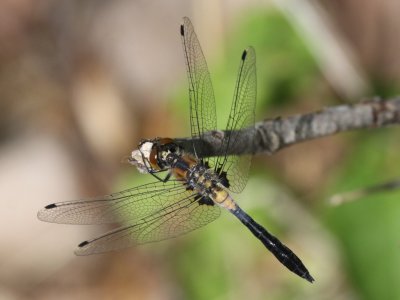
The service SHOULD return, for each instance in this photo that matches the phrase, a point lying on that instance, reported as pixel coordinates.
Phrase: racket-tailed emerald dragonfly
(194, 188)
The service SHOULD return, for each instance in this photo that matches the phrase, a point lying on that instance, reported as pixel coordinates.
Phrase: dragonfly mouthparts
(139, 156)
(137, 160)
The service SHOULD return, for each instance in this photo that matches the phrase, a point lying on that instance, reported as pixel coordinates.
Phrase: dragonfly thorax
(200, 176)
(204, 180)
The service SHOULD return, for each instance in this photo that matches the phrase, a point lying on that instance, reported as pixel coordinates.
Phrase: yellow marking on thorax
(205, 182)
(219, 195)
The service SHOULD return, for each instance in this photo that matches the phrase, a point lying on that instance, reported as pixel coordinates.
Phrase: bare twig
(363, 192)
(273, 135)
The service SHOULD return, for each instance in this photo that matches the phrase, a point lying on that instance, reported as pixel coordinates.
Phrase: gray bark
(270, 136)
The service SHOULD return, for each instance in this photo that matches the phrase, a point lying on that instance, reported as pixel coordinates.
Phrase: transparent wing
(242, 115)
(181, 217)
(131, 204)
(203, 116)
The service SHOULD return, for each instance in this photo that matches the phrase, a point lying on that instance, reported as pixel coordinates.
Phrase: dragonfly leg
(165, 179)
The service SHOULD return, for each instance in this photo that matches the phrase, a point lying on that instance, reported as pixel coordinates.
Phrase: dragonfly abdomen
(279, 250)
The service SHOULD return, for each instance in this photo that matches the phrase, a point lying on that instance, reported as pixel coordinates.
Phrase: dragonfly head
(140, 157)
(149, 156)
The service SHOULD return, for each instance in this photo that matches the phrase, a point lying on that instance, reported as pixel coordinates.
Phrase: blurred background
(81, 82)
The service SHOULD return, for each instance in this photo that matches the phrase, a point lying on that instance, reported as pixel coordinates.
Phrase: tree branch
(273, 135)
(356, 194)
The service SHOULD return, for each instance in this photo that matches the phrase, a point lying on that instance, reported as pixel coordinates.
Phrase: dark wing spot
(83, 244)
(50, 206)
(223, 178)
(182, 30)
(204, 200)
(244, 54)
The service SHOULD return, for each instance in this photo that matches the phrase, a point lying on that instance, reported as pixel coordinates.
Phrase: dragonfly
(194, 188)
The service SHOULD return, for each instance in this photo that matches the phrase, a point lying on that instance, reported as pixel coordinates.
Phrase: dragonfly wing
(131, 204)
(203, 116)
(242, 115)
(183, 216)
